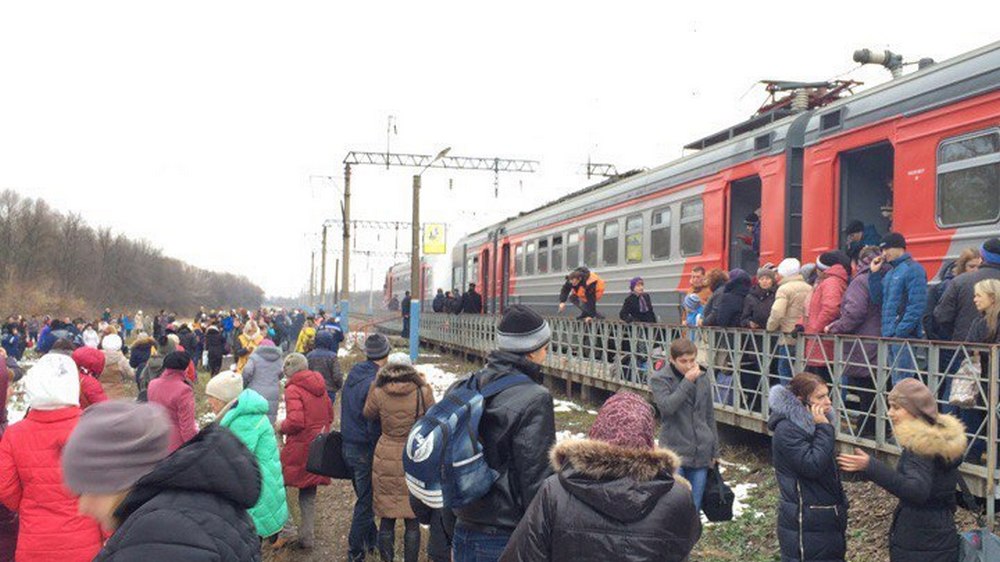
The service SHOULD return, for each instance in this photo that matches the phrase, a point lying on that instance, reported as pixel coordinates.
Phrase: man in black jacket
(517, 430)
(438, 304)
(472, 302)
(405, 310)
(956, 311)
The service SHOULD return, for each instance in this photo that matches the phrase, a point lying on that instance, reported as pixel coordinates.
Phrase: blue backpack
(443, 459)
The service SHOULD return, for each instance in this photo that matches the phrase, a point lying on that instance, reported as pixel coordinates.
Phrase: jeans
(363, 536)
(406, 327)
(478, 546)
(901, 363)
(697, 477)
(786, 354)
(387, 540)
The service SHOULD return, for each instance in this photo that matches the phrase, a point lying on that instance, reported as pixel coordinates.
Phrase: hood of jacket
(324, 340)
(837, 271)
(213, 462)
(761, 293)
(53, 382)
(310, 381)
(268, 352)
(738, 284)
(944, 439)
(504, 361)
(785, 406)
(248, 403)
(362, 373)
(399, 379)
(622, 483)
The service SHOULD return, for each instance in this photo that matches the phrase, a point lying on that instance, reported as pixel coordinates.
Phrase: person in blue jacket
(360, 436)
(857, 235)
(901, 291)
(812, 511)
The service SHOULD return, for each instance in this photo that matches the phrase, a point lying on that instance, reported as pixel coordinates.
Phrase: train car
(397, 282)
(918, 155)
(934, 133)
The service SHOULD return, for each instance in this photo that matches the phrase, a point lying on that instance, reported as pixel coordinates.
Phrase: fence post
(991, 445)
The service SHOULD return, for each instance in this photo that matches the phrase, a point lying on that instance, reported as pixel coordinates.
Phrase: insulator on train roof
(885, 58)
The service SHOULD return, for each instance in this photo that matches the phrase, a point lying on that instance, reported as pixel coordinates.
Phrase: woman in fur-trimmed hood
(925, 480)
(615, 496)
(812, 509)
(398, 398)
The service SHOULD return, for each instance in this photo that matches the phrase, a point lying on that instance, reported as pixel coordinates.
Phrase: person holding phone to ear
(812, 510)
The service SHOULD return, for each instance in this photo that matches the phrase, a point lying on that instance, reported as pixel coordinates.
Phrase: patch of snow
(18, 405)
(343, 352)
(567, 406)
(438, 378)
(566, 434)
(206, 419)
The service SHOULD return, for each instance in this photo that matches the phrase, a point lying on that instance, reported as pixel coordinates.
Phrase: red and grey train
(919, 155)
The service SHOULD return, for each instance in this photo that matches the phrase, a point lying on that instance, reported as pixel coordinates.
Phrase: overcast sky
(197, 125)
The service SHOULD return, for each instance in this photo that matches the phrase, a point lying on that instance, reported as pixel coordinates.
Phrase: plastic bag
(965, 385)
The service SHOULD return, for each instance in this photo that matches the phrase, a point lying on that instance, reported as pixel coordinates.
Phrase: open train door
(742, 201)
(866, 176)
(484, 279)
(504, 277)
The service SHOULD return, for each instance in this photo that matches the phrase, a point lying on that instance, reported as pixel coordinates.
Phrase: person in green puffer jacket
(244, 412)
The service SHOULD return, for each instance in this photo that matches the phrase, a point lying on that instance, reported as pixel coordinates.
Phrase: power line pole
(346, 215)
(322, 271)
(312, 278)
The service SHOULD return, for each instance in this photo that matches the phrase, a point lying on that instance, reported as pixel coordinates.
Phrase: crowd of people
(83, 477)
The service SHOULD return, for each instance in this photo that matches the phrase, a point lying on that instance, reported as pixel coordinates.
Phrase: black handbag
(326, 456)
(717, 502)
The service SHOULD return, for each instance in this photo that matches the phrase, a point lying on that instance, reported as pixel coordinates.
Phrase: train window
(692, 221)
(633, 239)
(529, 259)
(543, 256)
(659, 237)
(519, 260)
(610, 243)
(573, 250)
(557, 248)
(968, 180)
(590, 246)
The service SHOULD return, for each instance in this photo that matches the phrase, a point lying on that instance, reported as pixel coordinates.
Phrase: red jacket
(31, 483)
(172, 391)
(191, 373)
(824, 309)
(309, 412)
(91, 391)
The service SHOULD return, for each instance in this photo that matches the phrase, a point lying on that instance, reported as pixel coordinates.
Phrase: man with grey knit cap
(188, 505)
(517, 431)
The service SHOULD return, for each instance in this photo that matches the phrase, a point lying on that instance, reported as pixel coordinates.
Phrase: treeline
(56, 263)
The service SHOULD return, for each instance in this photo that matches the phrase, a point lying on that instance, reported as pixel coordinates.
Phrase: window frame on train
(542, 258)
(529, 258)
(518, 259)
(591, 244)
(659, 228)
(700, 219)
(556, 249)
(634, 238)
(573, 249)
(958, 165)
(605, 239)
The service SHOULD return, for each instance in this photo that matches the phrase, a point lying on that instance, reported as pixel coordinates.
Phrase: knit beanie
(914, 397)
(807, 271)
(990, 251)
(399, 358)
(522, 330)
(52, 383)
(294, 362)
(893, 240)
(826, 260)
(625, 420)
(225, 386)
(789, 267)
(174, 339)
(111, 342)
(633, 282)
(89, 361)
(767, 272)
(377, 347)
(692, 302)
(177, 360)
(114, 445)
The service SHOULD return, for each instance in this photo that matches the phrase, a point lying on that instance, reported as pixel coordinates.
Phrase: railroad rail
(590, 359)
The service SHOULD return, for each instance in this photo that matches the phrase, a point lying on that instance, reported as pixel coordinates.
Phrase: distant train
(919, 154)
(397, 281)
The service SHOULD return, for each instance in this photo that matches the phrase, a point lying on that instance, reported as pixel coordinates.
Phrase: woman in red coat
(308, 412)
(824, 309)
(31, 481)
(90, 363)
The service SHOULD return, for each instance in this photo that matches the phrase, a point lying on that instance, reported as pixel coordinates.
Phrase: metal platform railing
(743, 364)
